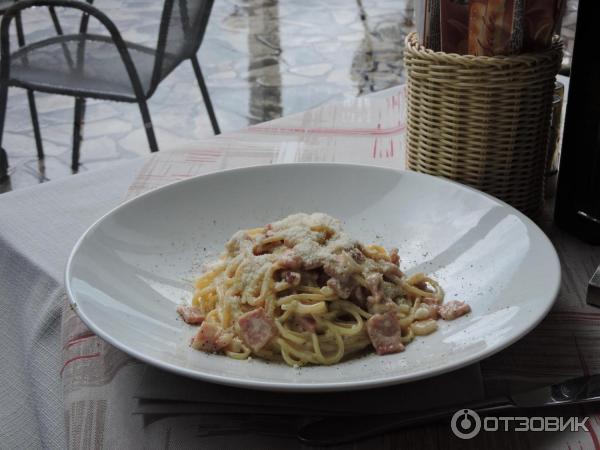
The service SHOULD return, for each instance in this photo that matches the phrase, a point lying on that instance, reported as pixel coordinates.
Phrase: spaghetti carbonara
(303, 291)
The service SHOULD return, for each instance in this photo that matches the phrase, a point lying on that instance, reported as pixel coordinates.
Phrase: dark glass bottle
(578, 195)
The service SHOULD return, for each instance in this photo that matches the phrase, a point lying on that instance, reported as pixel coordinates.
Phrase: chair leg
(55, 20)
(148, 125)
(3, 155)
(20, 33)
(36, 125)
(3, 164)
(59, 31)
(205, 95)
(77, 131)
(30, 96)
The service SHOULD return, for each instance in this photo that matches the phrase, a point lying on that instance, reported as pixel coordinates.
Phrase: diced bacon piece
(453, 309)
(434, 311)
(256, 328)
(211, 338)
(394, 257)
(385, 333)
(190, 314)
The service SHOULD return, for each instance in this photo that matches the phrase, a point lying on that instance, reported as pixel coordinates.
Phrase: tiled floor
(261, 59)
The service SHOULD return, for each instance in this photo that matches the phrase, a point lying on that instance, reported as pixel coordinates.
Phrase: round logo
(465, 423)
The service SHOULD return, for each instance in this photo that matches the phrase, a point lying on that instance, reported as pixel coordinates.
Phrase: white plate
(130, 270)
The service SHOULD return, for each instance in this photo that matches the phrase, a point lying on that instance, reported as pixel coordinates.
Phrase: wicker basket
(482, 121)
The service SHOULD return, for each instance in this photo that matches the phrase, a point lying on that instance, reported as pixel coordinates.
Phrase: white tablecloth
(40, 225)
(38, 228)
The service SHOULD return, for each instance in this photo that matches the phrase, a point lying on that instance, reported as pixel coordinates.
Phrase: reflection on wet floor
(264, 73)
(261, 59)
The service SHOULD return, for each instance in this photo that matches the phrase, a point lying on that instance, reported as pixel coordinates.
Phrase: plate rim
(334, 386)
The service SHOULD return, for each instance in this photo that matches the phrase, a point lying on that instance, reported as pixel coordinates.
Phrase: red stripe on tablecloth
(81, 338)
(75, 358)
(206, 152)
(593, 436)
(200, 159)
(334, 131)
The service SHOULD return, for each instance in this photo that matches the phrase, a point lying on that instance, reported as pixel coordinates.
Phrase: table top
(50, 370)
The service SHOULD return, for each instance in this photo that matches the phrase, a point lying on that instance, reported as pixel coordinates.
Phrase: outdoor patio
(262, 59)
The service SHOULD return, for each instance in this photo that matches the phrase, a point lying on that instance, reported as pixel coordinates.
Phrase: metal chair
(4, 5)
(86, 65)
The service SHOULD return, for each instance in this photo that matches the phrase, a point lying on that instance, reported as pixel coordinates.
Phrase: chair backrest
(182, 28)
(5, 4)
